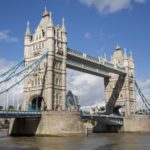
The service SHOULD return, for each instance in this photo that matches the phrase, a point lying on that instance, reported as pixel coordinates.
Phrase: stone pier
(136, 124)
(52, 123)
(133, 124)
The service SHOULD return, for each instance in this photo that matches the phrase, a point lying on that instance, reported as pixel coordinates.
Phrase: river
(107, 141)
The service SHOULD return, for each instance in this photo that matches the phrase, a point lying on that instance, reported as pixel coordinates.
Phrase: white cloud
(87, 35)
(140, 1)
(16, 93)
(145, 88)
(5, 65)
(90, 89)
(6, 36)
(111, 6)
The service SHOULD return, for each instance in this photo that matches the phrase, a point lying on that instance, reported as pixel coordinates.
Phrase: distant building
(72, 102)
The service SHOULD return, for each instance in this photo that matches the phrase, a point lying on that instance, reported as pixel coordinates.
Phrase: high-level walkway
(92, 65)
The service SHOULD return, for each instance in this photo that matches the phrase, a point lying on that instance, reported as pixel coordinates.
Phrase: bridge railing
(83, 66)
(115, 120)
(19, 114)
(92, 58)
(75, 52)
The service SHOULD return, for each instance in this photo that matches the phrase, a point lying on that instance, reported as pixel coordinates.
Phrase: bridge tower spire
(28, 33)
(27, 39)
(63, 26)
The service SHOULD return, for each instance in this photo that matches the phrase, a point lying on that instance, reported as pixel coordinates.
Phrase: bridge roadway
(19, 114)
(104, 119)
(89, 64)
(107, 119)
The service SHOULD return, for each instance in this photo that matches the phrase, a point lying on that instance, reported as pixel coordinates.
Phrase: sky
(93, 26)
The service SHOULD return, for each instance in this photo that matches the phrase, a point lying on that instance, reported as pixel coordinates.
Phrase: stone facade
(46, 85)
(52, 123)
(120, 90)
(136, 124)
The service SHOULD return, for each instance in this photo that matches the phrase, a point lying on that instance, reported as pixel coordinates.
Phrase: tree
(11, 108)
(1, 108)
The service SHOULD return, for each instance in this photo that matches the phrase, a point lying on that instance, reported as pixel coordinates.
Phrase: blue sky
(94, 27)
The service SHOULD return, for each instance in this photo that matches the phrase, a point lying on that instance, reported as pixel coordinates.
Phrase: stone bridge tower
(45, 88)
(120, 90)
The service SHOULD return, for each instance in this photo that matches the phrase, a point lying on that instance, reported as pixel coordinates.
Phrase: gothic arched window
(57, 98)
(42, 44)
(40, 36)
(56, 81)
(39, 45)
(59, 81)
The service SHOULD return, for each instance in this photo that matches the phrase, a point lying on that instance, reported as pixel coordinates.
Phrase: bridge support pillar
(52, 123)
(100, 127)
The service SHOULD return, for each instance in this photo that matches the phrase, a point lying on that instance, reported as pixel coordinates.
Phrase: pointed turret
(28, 33)
(105, 57)
(45, 13)
(131, 55)
(125, 54)
(126, 61)
(118, 47)
(64, 31)
(118, 55)
(27, 40)
(50, 23)
(63, 28)
(44, 20)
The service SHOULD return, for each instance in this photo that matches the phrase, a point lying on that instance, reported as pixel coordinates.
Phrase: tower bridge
(46, 58)
(54, 40)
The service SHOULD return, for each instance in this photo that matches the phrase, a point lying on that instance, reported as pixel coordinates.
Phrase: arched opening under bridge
(88, 88)
(37, 104)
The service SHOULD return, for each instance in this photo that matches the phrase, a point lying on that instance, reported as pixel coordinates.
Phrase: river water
(107, 141)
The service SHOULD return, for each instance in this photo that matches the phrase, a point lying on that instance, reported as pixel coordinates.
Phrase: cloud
(145, 88)
(16, 93)
(5, 35)
(140, 1)
(87, 35)
(111, 6)
(90, 89)
(5, 65)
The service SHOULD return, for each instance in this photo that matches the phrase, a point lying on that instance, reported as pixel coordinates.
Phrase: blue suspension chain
(12, 70)
(145, 101)
(33, 67)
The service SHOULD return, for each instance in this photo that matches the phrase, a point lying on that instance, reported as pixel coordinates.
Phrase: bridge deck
(19, 114)
(105, 119)
(109, 119)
